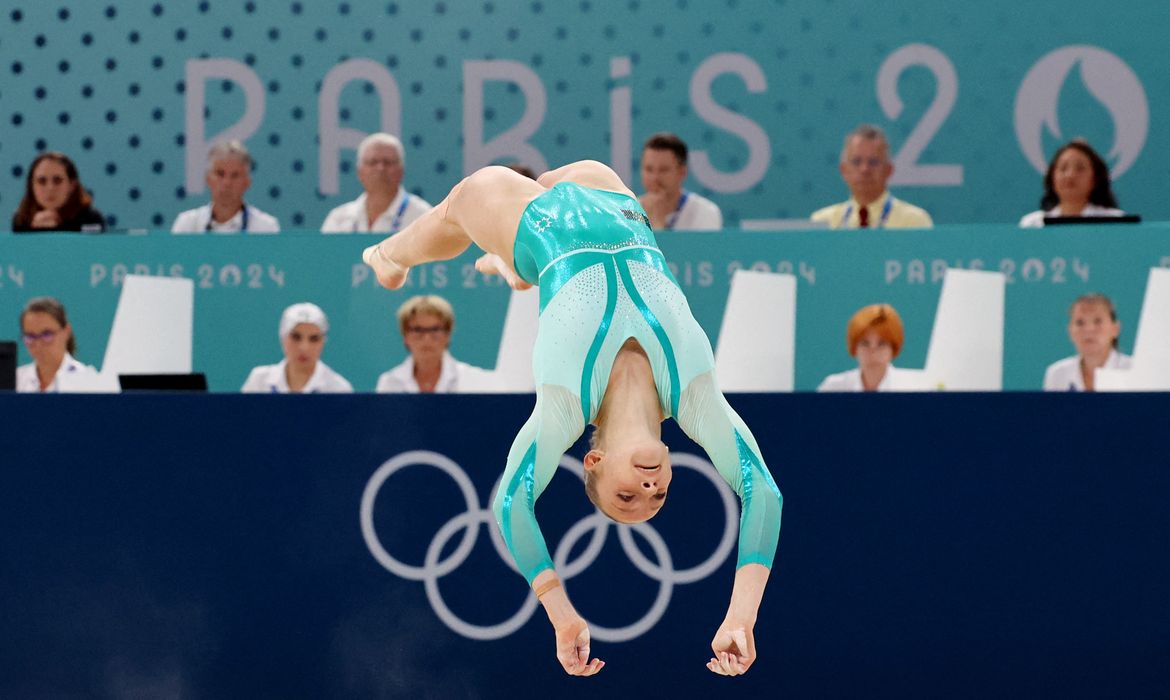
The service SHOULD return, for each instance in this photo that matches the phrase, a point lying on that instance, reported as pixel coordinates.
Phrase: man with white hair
(229, 175)
(384, 206)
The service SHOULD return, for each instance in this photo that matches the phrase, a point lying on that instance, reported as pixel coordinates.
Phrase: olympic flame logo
(596, 526)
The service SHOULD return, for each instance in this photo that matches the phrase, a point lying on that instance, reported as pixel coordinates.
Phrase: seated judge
(303, 330)
(874, 336)
(384, 206)
(866, 168)
(1076, 184)
(426, 323)
(229, 175)
(1093, 329)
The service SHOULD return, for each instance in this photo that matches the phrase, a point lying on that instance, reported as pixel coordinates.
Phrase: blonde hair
(590, 474)
(426, 304)
(1096, 298)
(879, 317)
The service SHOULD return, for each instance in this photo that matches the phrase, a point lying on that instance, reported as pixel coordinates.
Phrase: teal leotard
(603, 281)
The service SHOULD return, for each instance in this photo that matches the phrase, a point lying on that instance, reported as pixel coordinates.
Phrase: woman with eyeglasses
(426, 322)
(54, 199)
(303, 328)
(49, 339)
(617, 348)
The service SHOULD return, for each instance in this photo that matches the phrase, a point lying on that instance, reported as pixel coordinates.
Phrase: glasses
(384, 162)
(426, 330)
(43, 180)
(45, 337)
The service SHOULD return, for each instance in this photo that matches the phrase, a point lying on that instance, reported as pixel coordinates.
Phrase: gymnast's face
(631, 480)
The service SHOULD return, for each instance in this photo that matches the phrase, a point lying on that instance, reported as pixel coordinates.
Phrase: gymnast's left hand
(573, 648)
(735, 649)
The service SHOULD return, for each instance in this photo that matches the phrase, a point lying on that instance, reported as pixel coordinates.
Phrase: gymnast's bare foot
(491, 264)
(390, 274)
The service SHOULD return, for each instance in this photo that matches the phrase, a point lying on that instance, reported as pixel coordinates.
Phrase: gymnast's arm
(710, 421)
(554, 426)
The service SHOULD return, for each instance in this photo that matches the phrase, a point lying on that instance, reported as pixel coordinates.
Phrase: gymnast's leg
(484, 208)
(587, 173)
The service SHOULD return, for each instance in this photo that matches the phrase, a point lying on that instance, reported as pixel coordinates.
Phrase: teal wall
(762, 90)
(243, 283)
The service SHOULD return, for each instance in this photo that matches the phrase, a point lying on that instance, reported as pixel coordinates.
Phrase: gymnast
(617, 348)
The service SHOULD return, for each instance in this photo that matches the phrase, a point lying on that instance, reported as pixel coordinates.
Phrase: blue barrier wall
(243, 283)
(933, 546)
(975, 97)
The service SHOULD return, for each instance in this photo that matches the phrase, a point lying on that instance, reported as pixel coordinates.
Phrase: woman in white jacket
(48, 336)
(1076, 184)
(1093, 329)
(303, 328)
(874, 336)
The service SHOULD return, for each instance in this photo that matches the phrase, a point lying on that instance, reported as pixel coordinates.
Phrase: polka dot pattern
(106, 83)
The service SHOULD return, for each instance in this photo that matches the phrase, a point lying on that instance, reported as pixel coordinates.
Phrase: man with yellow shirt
(866, 168)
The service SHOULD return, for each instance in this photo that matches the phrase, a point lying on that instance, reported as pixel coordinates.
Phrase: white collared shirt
(454, 377)
(1065, 375)
(696, 214)
(351, 216)
(27, 380)
(1036, 218)
(271, 379)
(901, 214)
(851, 381)
(198, 220)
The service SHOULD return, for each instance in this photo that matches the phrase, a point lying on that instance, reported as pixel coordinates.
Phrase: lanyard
(397, 216)
(881, 221)
(243, 217)
(674, 216)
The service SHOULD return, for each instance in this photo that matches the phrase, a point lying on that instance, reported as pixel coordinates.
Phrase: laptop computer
(7, 365)
(196, 381)
(1073, 220)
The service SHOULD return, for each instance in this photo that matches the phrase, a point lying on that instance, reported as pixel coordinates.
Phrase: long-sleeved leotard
(603, 281)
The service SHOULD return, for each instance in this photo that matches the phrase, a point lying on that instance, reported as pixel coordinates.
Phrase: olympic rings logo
(596, 525)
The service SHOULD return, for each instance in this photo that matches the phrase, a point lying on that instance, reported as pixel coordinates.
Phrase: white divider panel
(88, 383)
(152, 327)
(966, 345)
(757, 340)
(1151, 351)
(513, 373)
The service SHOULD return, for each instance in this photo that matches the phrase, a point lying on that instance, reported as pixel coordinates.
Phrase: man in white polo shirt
(384, 207)
(669, 206)
(229, 175)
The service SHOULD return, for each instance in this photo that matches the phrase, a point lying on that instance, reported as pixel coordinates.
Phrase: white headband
(303, 313)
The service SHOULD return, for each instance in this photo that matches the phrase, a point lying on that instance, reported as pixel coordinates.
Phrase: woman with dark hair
(49, 339)
(1076, 184)
(617, 348)
(54, 199)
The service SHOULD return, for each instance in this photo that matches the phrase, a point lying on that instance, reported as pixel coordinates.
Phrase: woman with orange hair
(874, 336)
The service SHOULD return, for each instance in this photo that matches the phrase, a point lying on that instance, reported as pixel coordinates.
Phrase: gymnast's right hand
(573, 647)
